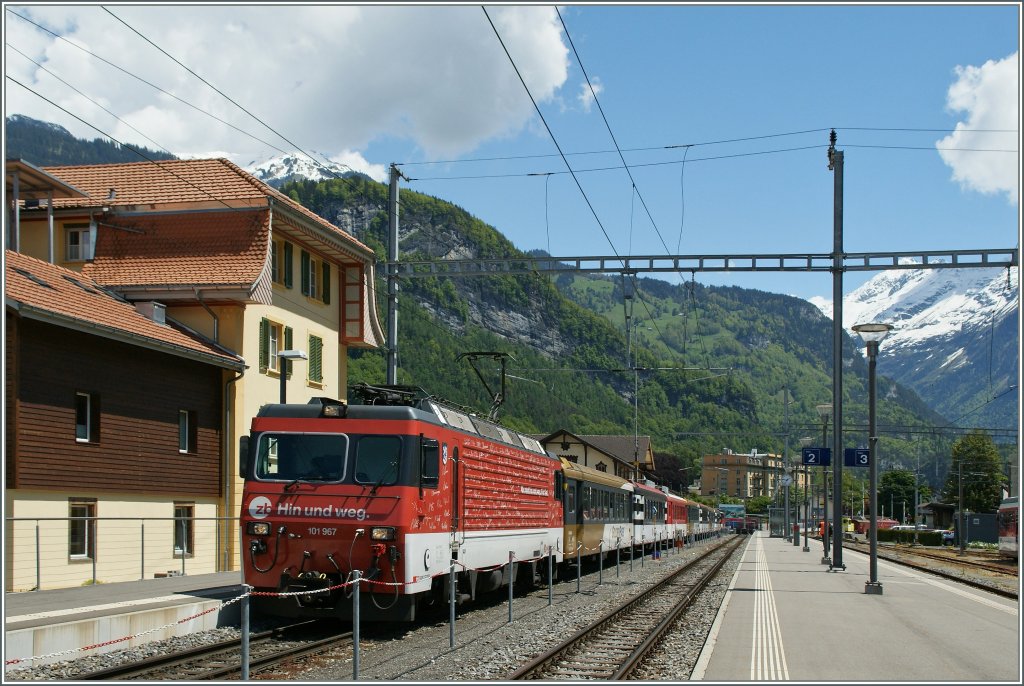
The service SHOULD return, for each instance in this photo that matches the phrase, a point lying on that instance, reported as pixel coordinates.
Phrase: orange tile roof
(184, 248)
(66, 298)
(181, 181)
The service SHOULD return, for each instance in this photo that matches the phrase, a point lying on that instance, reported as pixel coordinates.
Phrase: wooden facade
(139, 393)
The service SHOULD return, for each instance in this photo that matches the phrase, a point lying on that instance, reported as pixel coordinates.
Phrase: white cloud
(989, 95)
(356, 162)
(331, 77)
(586, 96)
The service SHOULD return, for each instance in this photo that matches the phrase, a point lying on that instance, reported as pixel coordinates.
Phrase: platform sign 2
(856, 457)
(817, 457)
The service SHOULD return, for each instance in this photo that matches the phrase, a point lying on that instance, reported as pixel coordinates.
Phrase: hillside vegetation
(712, 362)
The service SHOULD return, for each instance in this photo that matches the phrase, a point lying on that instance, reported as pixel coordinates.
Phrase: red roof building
(240, 271)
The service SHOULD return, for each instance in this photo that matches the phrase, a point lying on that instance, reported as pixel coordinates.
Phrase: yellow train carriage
(597, 511)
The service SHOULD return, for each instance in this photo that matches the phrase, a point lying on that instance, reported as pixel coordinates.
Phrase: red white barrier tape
(19, 660)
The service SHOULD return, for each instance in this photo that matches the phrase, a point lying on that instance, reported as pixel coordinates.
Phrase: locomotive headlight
(258, 528)
(382, 533)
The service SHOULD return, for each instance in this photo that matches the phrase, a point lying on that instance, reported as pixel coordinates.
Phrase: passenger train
(402, 488)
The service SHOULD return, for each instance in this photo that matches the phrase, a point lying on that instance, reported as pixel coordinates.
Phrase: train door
(573, 533)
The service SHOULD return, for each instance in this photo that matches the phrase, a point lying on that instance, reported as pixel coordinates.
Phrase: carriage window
(307, 457)
(377, 460)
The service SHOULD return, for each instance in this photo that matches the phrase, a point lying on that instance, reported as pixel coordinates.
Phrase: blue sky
(375, 85)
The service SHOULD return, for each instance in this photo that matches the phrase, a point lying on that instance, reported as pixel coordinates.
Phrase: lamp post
(824, 411)
(873, 334)
(286, 356)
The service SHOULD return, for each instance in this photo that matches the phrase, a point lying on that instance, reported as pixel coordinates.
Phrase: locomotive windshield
(307, 457)
(378, 459)
(375, 460)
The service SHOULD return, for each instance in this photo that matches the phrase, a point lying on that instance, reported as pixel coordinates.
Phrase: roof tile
(68, 294)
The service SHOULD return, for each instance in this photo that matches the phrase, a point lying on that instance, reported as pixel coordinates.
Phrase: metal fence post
(142, 549)
(551, 573)
(38, 554)
(355, 625)
(245, 631)
(94, 530)
(643, 550)
(618, 556)
(511, 582)
(579, 566)
(600, 562)
(451, 606)
(184, 545)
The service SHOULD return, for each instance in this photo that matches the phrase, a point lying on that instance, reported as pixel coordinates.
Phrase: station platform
(786, 617)
(58, 624)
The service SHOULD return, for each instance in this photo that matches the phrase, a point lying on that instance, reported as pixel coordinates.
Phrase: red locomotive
(397, 488)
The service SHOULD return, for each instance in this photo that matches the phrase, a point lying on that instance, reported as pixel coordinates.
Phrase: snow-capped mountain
(289, 167)
(955, 338)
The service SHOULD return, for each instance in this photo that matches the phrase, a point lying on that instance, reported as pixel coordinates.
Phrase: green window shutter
(304, 269)
(327, 283)
(288, 346)
(264, 339)
(287, 264)
(316, 370)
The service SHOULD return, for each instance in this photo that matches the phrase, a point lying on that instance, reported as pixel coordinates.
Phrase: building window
(87, 417)
(316, 278)
(281, 263)
(81, 529)
(77, 243)
(187, 431)
(184, 528)
(601, 467)
(316, 359)
(274, 338)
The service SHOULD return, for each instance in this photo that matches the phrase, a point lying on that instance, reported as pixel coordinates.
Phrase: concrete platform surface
(788, 618)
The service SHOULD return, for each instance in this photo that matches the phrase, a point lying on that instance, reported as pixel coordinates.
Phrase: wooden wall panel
(140, 392)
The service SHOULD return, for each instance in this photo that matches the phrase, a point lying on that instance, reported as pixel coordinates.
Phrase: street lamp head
(824, 410)
(873, 333)
(806, 441)
(292, 354)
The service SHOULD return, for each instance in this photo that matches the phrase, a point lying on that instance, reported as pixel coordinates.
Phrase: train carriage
(598, 515)
(677, 518)
(397, 488)
(1007, 524)
(649, 515)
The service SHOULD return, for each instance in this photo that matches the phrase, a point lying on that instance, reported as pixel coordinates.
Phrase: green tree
(759, 504)
(976, 463)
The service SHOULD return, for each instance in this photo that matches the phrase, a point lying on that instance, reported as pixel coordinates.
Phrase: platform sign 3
(817, 457)
(856, 457)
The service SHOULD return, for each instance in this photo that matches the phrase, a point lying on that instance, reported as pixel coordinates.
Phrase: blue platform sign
(856, 457)
(817, 457)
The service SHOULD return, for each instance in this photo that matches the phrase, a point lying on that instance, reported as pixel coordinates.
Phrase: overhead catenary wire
(86, 96)
(277, 133)
(138, 152)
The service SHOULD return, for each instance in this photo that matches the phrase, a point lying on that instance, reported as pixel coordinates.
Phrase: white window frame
(184, 512)
(88, 417)
(83, 250)
(88, 527)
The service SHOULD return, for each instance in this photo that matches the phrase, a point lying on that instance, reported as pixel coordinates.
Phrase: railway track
(222, 660)
(964, 566)
(612, 646)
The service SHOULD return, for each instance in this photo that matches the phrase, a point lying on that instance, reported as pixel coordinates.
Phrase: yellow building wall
(134, 540)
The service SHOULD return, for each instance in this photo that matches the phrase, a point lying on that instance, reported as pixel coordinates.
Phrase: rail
(636, 626)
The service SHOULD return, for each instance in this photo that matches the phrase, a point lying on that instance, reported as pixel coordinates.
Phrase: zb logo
(260, 507)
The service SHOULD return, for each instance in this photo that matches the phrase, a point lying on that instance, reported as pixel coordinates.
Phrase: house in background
(112, 412)
(228, 257)
(745, 475)
(623, 456)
